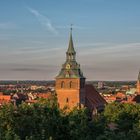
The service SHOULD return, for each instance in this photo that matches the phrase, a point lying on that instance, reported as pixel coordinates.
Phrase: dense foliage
(45, 121)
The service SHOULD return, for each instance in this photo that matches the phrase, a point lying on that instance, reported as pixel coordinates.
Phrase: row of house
(125, 97)
(71, 88)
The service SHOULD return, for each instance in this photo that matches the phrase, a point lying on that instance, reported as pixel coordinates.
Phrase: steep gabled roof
(93, 98)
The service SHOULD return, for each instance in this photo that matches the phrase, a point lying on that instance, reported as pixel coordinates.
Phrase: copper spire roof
(71, 46)
(70, 69)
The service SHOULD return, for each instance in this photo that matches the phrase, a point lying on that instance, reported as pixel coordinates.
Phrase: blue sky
(34, 37)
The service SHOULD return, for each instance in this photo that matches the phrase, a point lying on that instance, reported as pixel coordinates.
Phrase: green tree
(125, 117)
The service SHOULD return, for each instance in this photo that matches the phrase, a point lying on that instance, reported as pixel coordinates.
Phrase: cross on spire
(71, 27)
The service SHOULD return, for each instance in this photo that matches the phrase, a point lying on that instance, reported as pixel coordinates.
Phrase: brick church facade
(70, 85)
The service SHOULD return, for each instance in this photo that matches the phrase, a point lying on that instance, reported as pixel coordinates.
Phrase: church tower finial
(71, 51)
(71, 28)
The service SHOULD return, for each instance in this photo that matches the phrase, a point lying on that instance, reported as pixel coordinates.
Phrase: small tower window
(62, 84)
(67, 75)
(67, 100)
(70, 84)
(72, 56)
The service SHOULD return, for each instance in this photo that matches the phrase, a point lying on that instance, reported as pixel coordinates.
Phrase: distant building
(137, 97)
(70, 85)
(4, 99)
(132, 95)
(100, 85)
(131, 91)
(138, 83)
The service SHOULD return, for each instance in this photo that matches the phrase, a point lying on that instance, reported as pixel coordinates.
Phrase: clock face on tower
(68, 66)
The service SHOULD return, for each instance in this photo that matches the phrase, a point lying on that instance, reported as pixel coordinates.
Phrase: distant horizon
(34, 38)
(14, 80)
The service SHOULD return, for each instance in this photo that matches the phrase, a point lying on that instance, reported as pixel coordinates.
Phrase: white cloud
(44, 21)
(99, 61)
(109, 61)
(110, 48)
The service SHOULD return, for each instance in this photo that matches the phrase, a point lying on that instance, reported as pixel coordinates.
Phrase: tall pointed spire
(70, 69)
(71, 51)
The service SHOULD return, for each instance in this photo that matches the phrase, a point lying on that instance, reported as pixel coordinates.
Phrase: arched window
(67, 75)
(62, 84)
(67, 100)
(70, 84)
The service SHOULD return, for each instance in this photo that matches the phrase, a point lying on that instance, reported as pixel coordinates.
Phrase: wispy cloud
(99, 61)
(28, 72)
(44, 21)
(110, 61)
(24, 69)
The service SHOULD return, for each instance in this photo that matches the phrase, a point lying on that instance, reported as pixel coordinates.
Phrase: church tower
(138, 84)
(70, 82)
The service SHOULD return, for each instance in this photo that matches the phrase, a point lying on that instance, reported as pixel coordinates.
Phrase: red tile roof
(4, 99)
(44, 95)
(1, 93)
(120, 95)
